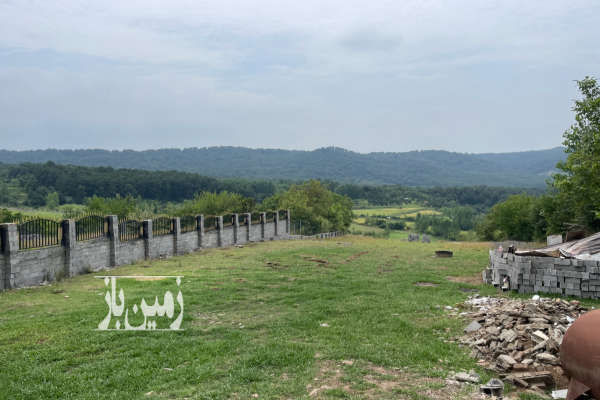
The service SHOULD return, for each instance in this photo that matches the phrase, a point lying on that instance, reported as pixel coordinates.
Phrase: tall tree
(579, 183)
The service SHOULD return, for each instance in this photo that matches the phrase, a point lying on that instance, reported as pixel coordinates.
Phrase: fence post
(176, 234)
(10, 240)
(248, 226)
(220, 230)
(68, 241)
(113, 235)
(200, 229)
(288, 221)
(236, 227)
(148, 235)
(276, 231)
(263, 219)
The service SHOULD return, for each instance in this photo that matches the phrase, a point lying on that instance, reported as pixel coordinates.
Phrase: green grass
(252, 325)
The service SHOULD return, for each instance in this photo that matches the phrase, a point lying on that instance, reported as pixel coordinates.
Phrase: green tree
(319, 209)
(123, 207)
(578, 184)
(52, 201)
(210, 203)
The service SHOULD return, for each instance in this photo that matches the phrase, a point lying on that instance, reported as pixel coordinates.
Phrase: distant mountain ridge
(414, 168)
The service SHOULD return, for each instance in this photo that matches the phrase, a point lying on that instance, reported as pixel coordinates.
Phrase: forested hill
(415, 168)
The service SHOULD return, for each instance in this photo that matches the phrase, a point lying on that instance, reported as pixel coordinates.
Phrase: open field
(401, 212)
(339, 318)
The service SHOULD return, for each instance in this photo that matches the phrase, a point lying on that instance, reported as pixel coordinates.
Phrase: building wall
(569, 277)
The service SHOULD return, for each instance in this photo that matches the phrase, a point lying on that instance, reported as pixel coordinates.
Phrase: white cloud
(379, 75)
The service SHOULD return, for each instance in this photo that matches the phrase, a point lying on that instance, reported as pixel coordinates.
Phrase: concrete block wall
(550, 275)
(29, 267)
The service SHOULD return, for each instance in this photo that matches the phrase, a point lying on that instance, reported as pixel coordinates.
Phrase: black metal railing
(39, 232)
(282, 214)
(211, 223)
(91, 227)
(256, 218)
(130, 229)
(189, 223)
(243, 219)
(162, 226)
(270, 216)
(228, 220)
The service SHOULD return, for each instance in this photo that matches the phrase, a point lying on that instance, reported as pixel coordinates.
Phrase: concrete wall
(161, 246)
(90, 255)
(34, 267)
(131, 251)
(569, 277)
(255, 233)
(210, 239)
(188, 242)
(29, 267)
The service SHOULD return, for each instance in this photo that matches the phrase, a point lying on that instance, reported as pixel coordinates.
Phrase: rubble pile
(520, 339)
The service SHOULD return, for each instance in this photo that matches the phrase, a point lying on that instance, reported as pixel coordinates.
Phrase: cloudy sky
(468, 76)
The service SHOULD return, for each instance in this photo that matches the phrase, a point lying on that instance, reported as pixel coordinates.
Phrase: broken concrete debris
(520, 339)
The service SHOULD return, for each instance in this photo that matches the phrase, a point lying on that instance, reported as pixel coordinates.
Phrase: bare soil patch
(381, 383)
(469, 279)
(426, 284)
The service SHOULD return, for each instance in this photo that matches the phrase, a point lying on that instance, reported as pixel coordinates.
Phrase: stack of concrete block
(571, 277)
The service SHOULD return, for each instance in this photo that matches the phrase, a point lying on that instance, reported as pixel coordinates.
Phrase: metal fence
(189, 223)
(282, 214)
(228, 220)
(270, 216)
(211, 223)
(256, 218)
(243, 219)
(162, 226)
(39, 232)
(130, 229)
(91, 227)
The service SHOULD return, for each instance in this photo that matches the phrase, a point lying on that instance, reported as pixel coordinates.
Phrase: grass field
(339, 318)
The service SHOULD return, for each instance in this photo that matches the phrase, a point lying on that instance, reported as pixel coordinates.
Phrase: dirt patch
(426, 284)
(470, 279)
(355, 256)
(380, 383)
(315, 259)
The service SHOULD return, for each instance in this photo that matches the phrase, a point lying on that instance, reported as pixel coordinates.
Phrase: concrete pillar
(248, 226)
(263, 220)
(148, 235)
(276, 223)
(200, 228)
(220, 230)
(236, 228)
(113, 235)
(68, 241)
(176, 235)
(10, 245)
(288, 222)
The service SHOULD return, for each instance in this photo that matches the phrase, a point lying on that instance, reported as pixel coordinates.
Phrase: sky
(466, 76)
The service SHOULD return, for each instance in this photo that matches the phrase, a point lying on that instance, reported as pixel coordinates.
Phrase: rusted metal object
(580, 355)
(443, 253)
